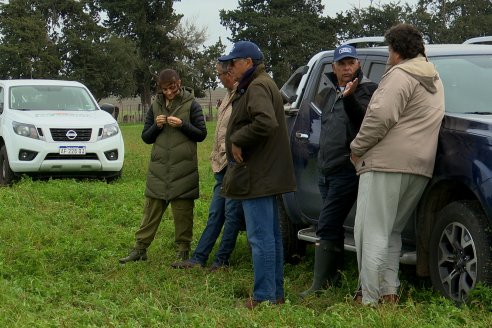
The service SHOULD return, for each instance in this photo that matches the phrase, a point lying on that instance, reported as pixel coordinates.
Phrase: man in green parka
(174, 125)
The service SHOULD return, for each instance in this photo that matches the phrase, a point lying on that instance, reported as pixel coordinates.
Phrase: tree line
(116, 47)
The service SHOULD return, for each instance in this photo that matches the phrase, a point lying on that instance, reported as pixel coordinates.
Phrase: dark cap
(243, 49)
(344, 51)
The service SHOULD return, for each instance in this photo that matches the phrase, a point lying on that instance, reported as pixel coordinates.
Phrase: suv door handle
(300, 135)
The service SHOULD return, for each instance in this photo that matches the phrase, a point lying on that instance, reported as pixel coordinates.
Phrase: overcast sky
(205, 13)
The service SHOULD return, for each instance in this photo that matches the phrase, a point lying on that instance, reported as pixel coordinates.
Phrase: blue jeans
(223, 212)
(262, 227)
(339, 192)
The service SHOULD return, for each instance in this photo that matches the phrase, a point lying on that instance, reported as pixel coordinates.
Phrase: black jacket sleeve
(355, 105)
(196, 129)
(150, 130)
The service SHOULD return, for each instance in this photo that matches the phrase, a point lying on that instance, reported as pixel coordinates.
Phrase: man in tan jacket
(394, 154)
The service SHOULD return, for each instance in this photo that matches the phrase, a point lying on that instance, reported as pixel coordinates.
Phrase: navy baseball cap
(344, 51)
(243, 49)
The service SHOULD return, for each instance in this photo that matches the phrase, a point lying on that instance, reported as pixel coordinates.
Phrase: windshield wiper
(479, 113)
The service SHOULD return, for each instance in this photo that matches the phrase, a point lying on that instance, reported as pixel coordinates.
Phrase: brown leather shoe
(390, 299)
(217, 266)
(280, 301)
(358, 297)
(251, 303)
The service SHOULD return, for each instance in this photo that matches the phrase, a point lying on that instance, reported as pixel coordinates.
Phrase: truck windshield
(43, 97)
(467, 81)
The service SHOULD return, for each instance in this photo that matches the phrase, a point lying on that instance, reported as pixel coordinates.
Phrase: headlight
(25, 130)
(110, 130)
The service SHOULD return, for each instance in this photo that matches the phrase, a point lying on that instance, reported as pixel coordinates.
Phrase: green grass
(60, 241)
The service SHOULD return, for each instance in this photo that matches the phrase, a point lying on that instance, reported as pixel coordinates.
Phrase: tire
(294, 249)
(7, 176)
(460, 250)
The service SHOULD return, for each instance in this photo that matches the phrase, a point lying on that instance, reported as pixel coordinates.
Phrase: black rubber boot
(327, 263)
(135, 255)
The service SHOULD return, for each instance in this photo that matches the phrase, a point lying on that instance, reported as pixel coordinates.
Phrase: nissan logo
(71, 134)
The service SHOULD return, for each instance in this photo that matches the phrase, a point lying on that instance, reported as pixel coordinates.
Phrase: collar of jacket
(249, 76)
(185, 94)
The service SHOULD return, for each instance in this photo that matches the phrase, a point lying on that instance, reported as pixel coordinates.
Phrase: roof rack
(480, 39)
(371, 40)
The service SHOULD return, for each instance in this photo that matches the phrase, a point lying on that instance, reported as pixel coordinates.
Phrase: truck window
(324, 86)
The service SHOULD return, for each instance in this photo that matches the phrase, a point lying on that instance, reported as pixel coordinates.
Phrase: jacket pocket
(237, 179)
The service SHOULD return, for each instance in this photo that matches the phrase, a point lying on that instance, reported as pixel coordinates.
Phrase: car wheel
(460, 247)
(294, 249)
(6, 174)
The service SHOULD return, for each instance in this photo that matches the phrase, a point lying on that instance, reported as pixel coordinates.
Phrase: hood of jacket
(421, 70)
(186, 94)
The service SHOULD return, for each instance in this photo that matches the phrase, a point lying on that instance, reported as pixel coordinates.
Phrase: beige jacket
(400, 130)
(218, 156)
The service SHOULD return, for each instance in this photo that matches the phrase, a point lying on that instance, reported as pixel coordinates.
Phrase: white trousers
(385, 202)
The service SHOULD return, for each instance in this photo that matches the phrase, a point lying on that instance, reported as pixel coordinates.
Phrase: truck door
(305, 139)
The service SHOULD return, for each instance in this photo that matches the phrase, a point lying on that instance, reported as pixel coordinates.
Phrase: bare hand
(237, 153)
(174, 121)
(350, 87)
(160, 120)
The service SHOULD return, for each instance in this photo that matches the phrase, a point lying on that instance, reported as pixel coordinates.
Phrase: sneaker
(135, 255)
(187, 264)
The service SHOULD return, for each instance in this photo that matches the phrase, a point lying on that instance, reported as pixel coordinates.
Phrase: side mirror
(107, 108)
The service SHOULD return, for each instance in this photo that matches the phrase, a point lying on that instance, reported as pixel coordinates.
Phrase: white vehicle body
(56, 128)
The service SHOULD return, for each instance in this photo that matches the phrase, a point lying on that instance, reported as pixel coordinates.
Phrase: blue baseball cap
(344, 51)
(243, 49)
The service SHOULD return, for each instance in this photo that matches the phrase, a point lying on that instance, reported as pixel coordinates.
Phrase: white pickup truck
(56, 128)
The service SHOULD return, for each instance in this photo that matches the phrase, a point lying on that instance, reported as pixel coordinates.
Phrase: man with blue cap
(259, 166)
(345, 99)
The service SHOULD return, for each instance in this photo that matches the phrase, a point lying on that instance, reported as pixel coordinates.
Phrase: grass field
(60, 241)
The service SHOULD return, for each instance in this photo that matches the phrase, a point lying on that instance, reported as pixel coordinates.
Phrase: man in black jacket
(341, 117)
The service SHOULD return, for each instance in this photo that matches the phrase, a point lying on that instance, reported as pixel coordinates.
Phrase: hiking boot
(135, 255)
(183, 255)
(187, 264)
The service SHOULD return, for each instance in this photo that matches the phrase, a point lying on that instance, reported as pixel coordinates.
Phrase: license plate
(72, 150)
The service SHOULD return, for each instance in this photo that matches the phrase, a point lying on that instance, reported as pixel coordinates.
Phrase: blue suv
(449, 237)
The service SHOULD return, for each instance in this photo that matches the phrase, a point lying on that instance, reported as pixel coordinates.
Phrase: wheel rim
(457, 261)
